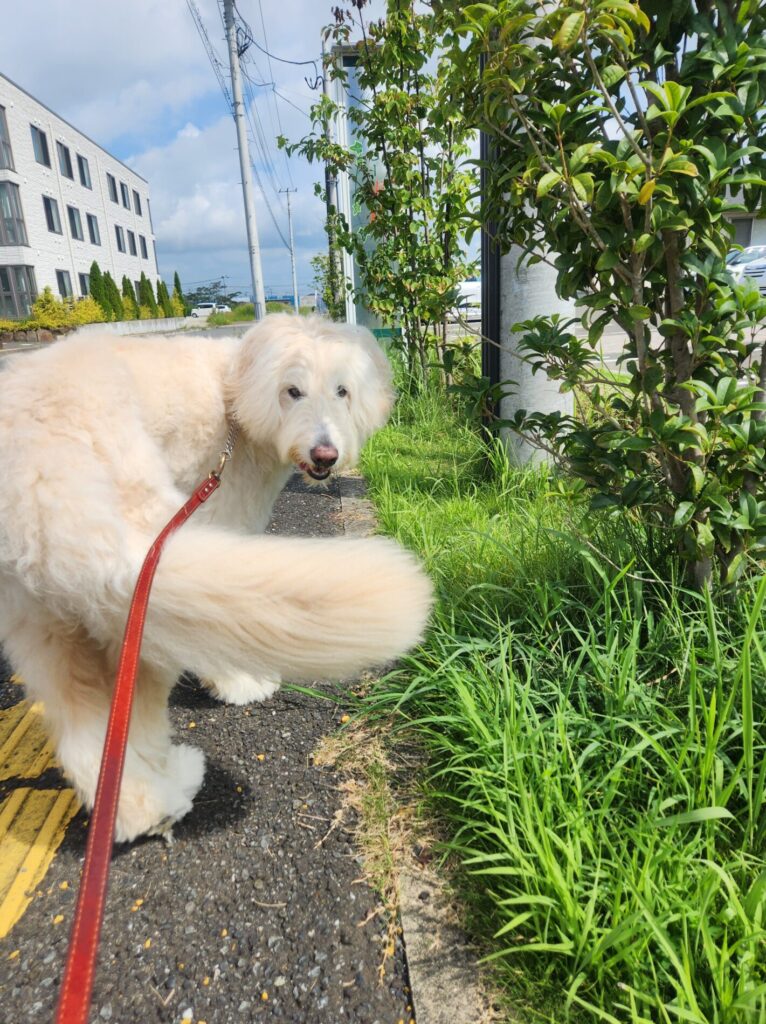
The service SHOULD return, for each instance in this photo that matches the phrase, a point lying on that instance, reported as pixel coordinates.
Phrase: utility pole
(296, 300)
(238, 109)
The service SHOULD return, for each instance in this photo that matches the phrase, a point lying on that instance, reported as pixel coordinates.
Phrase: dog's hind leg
(73, 677)
(241, 688)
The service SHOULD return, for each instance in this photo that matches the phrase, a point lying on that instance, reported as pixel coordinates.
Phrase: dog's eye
(295, 392)
(342, 392)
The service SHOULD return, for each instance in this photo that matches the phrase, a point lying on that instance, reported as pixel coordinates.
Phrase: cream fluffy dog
(101, 440)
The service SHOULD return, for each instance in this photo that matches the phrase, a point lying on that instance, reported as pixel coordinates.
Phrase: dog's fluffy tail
(306, 608)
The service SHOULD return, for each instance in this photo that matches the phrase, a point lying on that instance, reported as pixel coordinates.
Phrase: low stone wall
(38, 337)
(164, 325)
(41, 336)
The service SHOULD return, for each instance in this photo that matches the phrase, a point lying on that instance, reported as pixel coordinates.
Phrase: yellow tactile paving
(24, 750)
(32, 821)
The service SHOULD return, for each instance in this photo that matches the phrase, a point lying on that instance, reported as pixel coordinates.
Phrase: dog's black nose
(324, 455)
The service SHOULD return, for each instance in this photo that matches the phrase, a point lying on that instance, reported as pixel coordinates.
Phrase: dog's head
(311, 389)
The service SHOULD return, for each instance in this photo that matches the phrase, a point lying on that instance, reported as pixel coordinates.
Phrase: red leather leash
(77, 983)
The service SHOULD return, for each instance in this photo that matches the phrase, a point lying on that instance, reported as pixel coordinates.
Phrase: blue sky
(135, 78)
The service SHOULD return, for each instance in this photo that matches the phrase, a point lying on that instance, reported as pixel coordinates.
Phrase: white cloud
(139, 71)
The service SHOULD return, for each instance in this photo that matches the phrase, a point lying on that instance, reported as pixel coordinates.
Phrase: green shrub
(86, 311)
(50, 312)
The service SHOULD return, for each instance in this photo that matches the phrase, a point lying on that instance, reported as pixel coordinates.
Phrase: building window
(84, 284)
(142, 243)
(125, 191)
(743, 230)
(120, 237)
(95, 234)
(75, 223)
(12, 229)
(40, 146)
(84, 170)
(137, 203)
(64, 282)
(6, 155)
(17, 292)
(52, 218)
(132, 243)
(111, 182)
(65, 160)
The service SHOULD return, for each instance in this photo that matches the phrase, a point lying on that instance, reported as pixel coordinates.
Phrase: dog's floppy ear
(373, 392)
(254, 383)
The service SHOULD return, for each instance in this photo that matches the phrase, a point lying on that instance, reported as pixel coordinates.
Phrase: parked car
(469, 293)
(223, 308)
(751, 263)
(204, 309)
(738, 257)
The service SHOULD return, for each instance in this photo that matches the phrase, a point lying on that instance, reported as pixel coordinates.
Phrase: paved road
(258, 911)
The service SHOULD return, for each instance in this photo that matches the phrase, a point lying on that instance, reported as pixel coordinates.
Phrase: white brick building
(64, 202)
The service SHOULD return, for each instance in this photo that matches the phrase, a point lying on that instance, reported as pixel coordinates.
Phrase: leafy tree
(113, 297)
(97, 290)
(177, 298)
(215, 291)
(325, 285)
(623, 134)
(129, 304)
(146, 296)
(163, 298)
(408, 164)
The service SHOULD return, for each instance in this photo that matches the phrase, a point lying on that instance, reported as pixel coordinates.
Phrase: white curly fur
(101, 440)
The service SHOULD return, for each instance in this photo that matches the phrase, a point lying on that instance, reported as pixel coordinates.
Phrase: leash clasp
(227, 451)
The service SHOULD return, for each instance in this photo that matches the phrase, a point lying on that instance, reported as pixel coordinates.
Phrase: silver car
(751, 263)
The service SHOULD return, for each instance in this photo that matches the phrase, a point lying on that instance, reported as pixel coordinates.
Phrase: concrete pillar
(526, 292)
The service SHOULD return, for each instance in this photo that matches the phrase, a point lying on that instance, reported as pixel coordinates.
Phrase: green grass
(595, 737)
(245, 311)
(238, 315)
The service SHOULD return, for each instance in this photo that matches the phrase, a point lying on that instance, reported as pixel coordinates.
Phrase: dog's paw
(150, 803)
(241, 688)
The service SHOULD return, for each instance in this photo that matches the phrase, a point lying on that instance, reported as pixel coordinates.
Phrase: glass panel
(75, 222)
(65, 160)
(52, 215)
(8, 308)
(112, 183)
(132, 243)
(26, 290)
(84, 170)
(40, 146)
(142, 243)
(137, 202)
(93, 231)
(125, 195)
(6, 155)
(12, 229)
(64, 283)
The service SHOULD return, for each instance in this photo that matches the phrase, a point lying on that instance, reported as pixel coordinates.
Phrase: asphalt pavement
(259, 910)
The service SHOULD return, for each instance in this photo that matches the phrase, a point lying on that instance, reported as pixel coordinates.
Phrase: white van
(204, 309)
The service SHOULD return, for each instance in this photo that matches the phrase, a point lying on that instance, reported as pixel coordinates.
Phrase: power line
(274, 99)
(299, 109)
(215, 60)
(271, 56)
